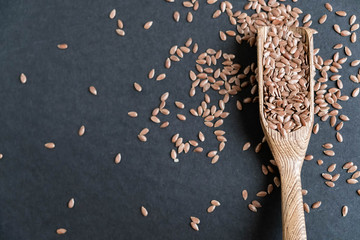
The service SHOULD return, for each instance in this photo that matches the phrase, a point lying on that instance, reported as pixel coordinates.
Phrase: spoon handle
(293, 219)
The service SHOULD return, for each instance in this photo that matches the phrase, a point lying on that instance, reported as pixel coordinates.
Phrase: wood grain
(289, 151)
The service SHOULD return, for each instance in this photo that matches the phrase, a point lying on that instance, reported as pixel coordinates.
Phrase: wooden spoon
(289, 150)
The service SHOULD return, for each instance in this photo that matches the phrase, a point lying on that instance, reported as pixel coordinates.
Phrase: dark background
(36, 183)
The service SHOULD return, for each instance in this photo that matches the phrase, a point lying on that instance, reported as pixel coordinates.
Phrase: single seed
(306, 18)
(335, 177)
(195, 220)
(61, 231)
(352, 19)
(320, 162)
(50, 145)
(316, 128)
(62, 46)
(352, 181)
(244, 194)
(304, 192)
(194, 226)
(155, 119)
(326, 176)
(160, 77)
(201, 136)
(151, 73)
(144, 212)
(306, 208)
(327, 145)
(189, 17)
(344, 211)
(148, 25)
(261, 194)
(179, 105)
(322, 19)
(316, 205)
(71, 203)
(329, 153)
(347, 51)
(23, 78)
(93, 90)
(120, 24)
(277, 181)
(133, 114)
(252, 208)
(81, 130)
(176, 16)
(142, 138)
(330, 184)
(112, 14)
(328, 7)
(120, 32)
(181, 117)
(332, 167)
(348, 165)
(144, 131)
(215, 203)
(341, 13)
(211, 209)
(118, 158)
(339, 137)
(137, 87)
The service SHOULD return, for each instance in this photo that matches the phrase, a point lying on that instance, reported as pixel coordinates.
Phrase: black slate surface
(36, 183)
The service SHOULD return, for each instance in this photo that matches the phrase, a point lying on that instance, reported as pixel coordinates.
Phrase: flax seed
(61, 231)
(50, 145)
(144, 212)
(71, 203)
(93, 90)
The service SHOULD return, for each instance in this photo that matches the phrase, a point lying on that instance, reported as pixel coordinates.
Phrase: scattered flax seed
(339, 137)
(332, 167)
(256, 203)
(112, 14)
(329, 153)
(355, 92)
(164, 124)
(309, 157)
(335, 177)
(320, 162)
(341, 13)
(326, 176)
(352, 181)
(148, 25)
(348, 165)
(142, 138)
(306, 208)
(252, 208)
(316, 205)
(347, 51)
(304, 192)
(181, 117)
(189, 17)
(358, 192)
(160, 77)
(316, 128)
(1, 155)
(211, 208)
(117, 158)
(50, 145)
(215, 203)
(93, 90)
(201, 136)
(137, 87)
(344, 211)
(61, 231)
(198, 149)
(144, 212)
(133, 114)
(195, 220)
(71, 203)
(120, 24)
(194, 226)
(244, 194)
(277, 181)
(151, 74)
(322, 19)
(23, 78)
(62, 46)
(179, 105)
(81, 130)
(176, 16)
(261, 194)
(327, 145)
(270, 188)
(330, 184)
(155, 119)
(120, 32)
(328, 7)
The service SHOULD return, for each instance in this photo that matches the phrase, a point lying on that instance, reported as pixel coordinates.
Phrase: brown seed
(329, 153)
(245, 194)
(50, 145)
(144, 212)
(179, 105)
(189, 17)
(339, 137)
(304, 192)
(120, 24)
(62, 46)
(120, 32)
(216, 203)
(160, 77)
(316, 205)
(1, 155)
(23, 78)
(326, 176)
(332, 167)
(341, 13)
(211, 209)
(306, 208)
(316, 128)
(270, 188)
(335, 177)
(81, 130)
(347, 51)
(148, 25)
(277, 181)
(194, 226)
(142, 138)
(261, 194)
(195, 220)
(71, 203)
(112, 14)
(137, 87)
(133, 114)
(352, 19)
(322, 19)
(155, 119)
(358, 192)
(330, 184)
(176, 16)
(352, 181)
(144, 131)
(181, 117)
(306, 18)
(201, 136)
(252, 208)
(320, 162)
(198, 149)
(327, 145)
(218, 123)
(344, 211)
(151, 73)
(309, 157)
(348, 165)
(93, 90)
(118, 158)
(61, 231)
(328, 7)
